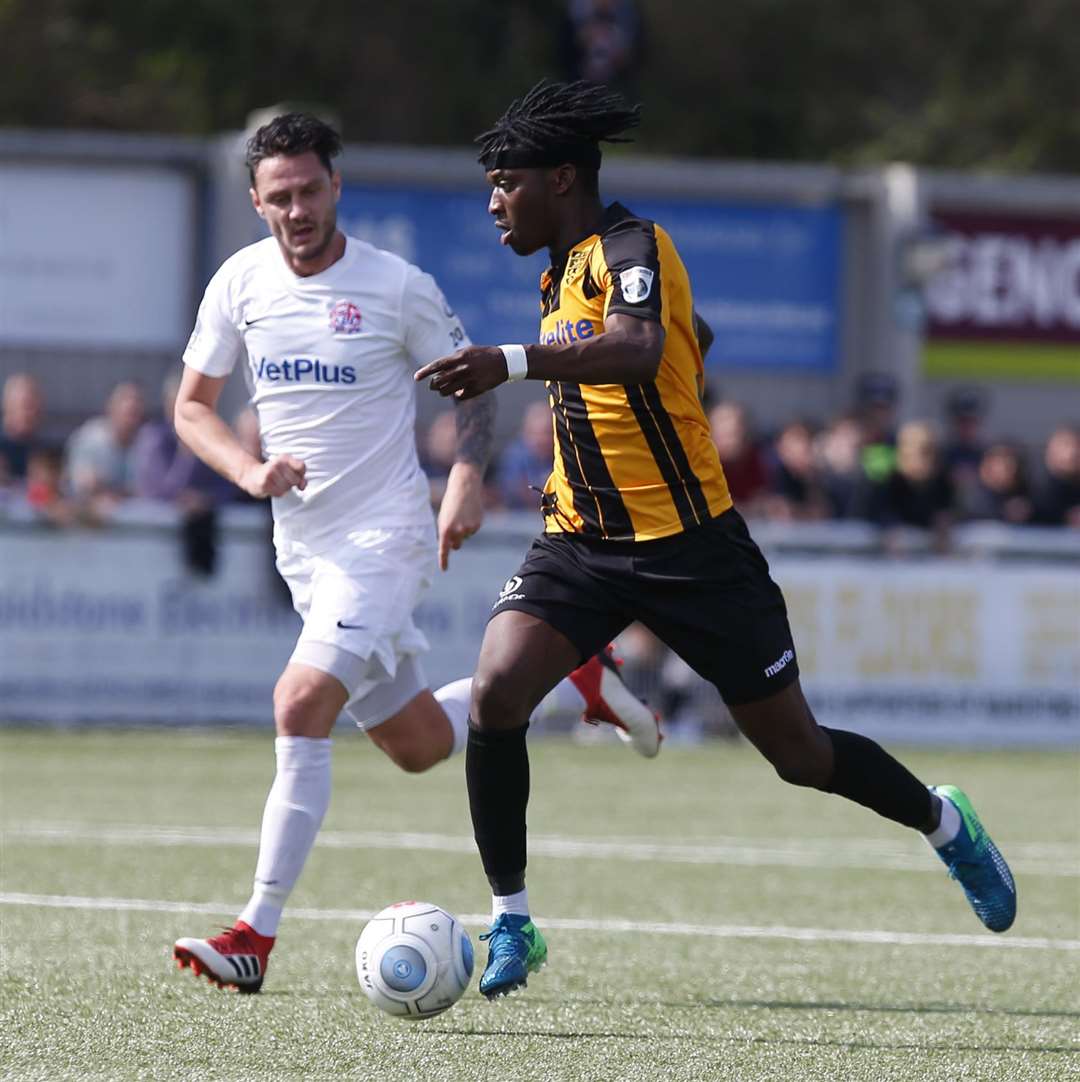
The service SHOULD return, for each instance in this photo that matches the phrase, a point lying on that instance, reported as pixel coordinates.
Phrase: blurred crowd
(860, 465)
(127, 451)
(928, 473)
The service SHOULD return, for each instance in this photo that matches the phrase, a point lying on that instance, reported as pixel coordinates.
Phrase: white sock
(294, 811)
(456, 699)
(510, 903)
(949, 826)
(563, 701)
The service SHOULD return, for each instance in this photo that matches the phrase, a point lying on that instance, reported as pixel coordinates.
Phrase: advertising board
(767, 279)
(111, 627)
(1007, 300)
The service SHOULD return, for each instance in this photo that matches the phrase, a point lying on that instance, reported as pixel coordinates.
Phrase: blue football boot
(515, 949)
(975, 863)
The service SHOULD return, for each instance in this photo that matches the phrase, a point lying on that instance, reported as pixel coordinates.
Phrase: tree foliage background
(949, 83)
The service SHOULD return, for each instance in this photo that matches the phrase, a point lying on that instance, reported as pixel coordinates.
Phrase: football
(414, 960)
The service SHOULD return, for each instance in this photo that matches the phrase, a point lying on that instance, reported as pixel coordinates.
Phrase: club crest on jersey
(636, 284)
(575, 264)
(345, 318)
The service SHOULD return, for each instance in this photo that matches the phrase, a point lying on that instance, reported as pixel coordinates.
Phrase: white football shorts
(357, 605)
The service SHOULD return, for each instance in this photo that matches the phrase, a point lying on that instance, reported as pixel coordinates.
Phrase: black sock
(497, 775)
(866, 773)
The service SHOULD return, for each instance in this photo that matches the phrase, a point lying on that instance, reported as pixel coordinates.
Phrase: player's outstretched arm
(628, 352)
(462, 510)
(211, 439)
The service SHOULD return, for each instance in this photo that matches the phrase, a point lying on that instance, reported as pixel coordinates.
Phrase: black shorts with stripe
(705, 592)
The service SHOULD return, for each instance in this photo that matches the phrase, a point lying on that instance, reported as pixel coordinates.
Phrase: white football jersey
(329, 361)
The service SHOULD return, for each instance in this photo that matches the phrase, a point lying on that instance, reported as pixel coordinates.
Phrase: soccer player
(639, 524)
(329, 331)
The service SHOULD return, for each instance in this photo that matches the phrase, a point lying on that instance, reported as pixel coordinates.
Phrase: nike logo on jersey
(248, 322)
(304, 370)
(351, 627)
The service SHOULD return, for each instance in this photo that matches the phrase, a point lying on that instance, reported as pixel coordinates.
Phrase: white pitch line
(572, 924)
(1056, 861)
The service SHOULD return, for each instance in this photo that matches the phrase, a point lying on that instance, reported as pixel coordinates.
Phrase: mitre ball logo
(345, 318)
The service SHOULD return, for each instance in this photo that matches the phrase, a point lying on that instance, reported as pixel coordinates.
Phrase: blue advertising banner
(765, 278)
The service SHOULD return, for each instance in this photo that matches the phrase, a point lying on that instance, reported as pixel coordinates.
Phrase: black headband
(586, 155)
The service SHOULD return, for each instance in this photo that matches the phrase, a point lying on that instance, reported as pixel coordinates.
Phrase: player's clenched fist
(275, 477)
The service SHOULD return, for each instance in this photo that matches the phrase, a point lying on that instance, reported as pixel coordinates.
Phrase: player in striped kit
(639, 523)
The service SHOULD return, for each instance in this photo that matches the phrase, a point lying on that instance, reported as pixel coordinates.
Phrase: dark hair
(291, 134)
(555, 123)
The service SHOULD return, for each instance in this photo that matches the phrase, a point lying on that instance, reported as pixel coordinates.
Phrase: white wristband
(517, 364)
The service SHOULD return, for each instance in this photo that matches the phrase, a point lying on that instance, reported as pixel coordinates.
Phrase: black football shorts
(706, 593)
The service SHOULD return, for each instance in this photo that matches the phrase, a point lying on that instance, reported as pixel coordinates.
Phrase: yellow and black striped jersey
(632, 463)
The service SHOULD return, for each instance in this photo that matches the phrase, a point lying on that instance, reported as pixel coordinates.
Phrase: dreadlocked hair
(554, 118)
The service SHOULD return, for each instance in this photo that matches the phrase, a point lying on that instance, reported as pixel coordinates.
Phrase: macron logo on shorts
(509, 592)
(780, 663)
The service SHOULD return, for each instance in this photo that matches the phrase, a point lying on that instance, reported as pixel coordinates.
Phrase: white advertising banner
(939, 650)
(110, 627)
(96, 255)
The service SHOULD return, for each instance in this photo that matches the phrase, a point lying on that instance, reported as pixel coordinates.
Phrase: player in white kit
(329, 330)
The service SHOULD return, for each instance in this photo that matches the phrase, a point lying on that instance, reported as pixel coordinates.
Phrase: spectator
(999, 492)
(601, 40)
(795, 488)
(437, 450)
(100, 463)
(917, 493)
(20, 422)
(44, 492)
(525, 464)
(876, 401)
(164, 469)
(964, 446)
(1057, 496)
(744, 465)
(838, 452)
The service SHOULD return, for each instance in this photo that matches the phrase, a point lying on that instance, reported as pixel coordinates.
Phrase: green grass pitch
(705, 921)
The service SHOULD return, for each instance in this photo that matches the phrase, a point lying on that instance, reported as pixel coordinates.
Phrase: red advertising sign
(1007, 298)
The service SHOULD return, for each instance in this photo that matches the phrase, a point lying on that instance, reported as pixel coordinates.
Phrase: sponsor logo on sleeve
(636, 283)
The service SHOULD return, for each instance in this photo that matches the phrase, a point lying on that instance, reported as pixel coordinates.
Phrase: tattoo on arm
(475, 429)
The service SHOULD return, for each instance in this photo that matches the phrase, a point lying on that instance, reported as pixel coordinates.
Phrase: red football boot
(609, 700)
(235, 959)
